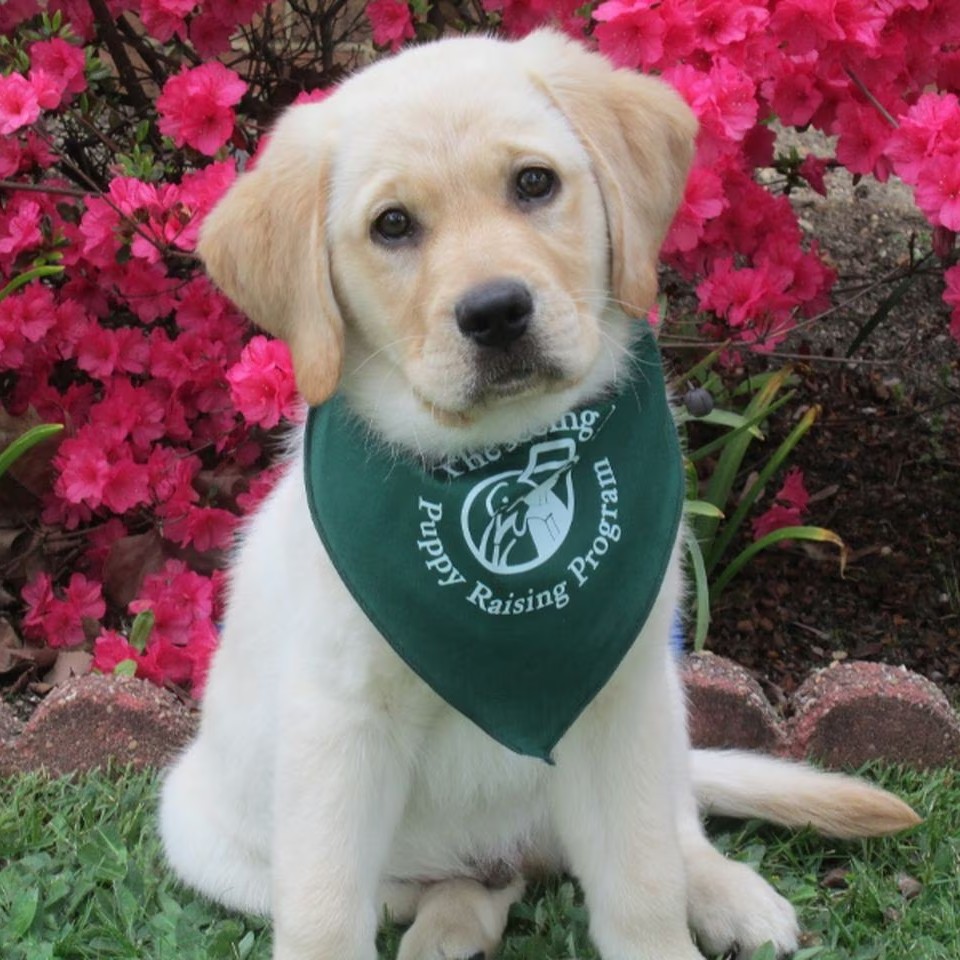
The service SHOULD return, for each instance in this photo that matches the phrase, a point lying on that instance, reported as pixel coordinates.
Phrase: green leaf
(735, 446)
(767, 952)
(702, 620)
(125, 668)
(700, 508)
(24, 278)
(26, 442)
(22, 912)
(744, 430)
(141, 630)
(222, 945)
(757, 381)
(818, 534)
(112, 843)
(727, 418)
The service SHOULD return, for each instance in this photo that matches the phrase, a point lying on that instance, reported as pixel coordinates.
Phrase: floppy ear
(264, 246)
(640, 135)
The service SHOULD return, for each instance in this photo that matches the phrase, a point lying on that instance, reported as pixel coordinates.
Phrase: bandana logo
(538, 517)
(517, 520)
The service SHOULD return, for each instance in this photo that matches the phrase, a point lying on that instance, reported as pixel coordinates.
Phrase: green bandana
(514, 579)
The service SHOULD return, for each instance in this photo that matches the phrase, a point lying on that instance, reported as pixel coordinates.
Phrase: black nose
(496, 313)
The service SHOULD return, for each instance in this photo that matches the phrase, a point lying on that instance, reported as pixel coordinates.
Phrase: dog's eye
(394, 224)
(535, 183)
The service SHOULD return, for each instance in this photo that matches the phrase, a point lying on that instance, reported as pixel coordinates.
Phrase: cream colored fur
(328, 783)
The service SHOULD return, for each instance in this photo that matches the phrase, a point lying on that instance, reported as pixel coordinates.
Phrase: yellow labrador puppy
(458, 243)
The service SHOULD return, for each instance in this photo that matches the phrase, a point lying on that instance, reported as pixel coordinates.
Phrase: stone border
(843, 716)
(90, 720)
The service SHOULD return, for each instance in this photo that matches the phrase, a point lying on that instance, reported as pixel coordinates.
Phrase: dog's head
(459, 233)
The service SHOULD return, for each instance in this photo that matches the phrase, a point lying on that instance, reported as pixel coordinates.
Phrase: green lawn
(81, 877)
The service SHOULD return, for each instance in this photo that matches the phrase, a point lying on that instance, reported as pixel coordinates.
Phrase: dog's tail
(744, 785)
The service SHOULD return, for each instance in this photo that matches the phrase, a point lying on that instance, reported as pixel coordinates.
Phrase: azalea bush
(122, 123)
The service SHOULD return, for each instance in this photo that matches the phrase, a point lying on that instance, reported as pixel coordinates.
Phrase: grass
(81, 877)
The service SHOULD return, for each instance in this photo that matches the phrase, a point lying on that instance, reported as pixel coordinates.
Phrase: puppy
(458, 243)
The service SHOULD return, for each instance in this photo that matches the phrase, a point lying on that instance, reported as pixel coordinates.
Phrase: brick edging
(843, 716)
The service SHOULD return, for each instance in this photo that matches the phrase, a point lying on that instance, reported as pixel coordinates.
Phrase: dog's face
(460, 233)
(468, 243)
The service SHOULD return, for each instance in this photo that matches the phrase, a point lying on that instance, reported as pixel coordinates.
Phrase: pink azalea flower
(110, 649)
(84, 472)
(85, 597)
(237, 13)
(11, 157)
(262, 384)
(60, 621)
(630, 32)
(38, 596)
(199, 191)
(48, 88)
(127, 486)
(195, 106)
(97, 353)
(795, 97)
(18, 103)
(209, 34)
(752, 300)
(11, 342)
(164, 18)
(733, 100)
(60, 59)
(813, 169)
(790, 508)
(793, 492)
(133, 352)
(36, 153)
(703, 200)
(211, 528)
(178, 598)
(864, 135)
(77, 13)
(146, 288)
(392, 22)
(952, 292)
(806, 25)
(519, 17)
(952, 297)
(935, 117)
(22, 230)
(774, 518)
(720, 23)
(938, 191)
(14, 12)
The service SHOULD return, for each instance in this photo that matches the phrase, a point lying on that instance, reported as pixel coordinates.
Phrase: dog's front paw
(459, 920)
(731, 908)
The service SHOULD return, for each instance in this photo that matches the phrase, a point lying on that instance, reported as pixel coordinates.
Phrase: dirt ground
(882, 466)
